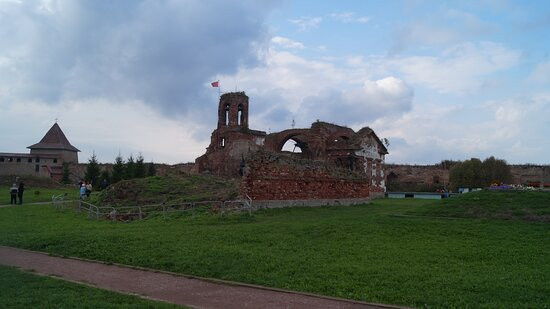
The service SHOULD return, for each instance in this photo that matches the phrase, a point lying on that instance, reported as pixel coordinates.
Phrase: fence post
(140, 215)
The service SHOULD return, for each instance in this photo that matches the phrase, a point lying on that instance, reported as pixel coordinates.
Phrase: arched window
(291, 146)
(240, 115)
(222, 142)
(226, 114)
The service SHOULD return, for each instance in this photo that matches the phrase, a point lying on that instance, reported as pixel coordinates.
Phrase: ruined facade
(334, 162)
(45, 159)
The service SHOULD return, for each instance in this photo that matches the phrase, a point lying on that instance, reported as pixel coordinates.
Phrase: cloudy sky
(439, 80)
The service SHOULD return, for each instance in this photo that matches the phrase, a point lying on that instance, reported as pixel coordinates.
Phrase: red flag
(215, 84)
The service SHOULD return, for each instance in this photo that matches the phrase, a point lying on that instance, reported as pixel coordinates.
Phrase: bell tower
(233, 110)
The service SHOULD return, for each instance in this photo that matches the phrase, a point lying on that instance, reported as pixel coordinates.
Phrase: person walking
(13, 194)
(20, 191)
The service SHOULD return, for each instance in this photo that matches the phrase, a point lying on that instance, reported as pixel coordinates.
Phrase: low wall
(309, 203)
(275, 177)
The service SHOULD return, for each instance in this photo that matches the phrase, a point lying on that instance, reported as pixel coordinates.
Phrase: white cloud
(307, 23)
(459, 69)
(350, 17)
(288, 86)
(106, 128)
(507, 129)
(287, 43)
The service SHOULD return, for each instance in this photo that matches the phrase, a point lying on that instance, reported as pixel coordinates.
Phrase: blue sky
(439, 79)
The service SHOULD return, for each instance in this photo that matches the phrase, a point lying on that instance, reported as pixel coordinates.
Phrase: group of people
(17, 192)
(85, 189)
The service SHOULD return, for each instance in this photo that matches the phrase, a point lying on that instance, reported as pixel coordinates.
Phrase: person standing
(82, 190)
(88, 189)
(20, 191)
(13, 194)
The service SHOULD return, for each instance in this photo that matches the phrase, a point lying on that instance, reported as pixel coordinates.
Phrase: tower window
(226, 115)
(222, 142)
(37, 160)
(29, 160)
(240, 115)
(54, 160)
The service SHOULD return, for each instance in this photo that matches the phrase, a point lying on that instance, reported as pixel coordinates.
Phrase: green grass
(369, 252)
(516, 205)
(34, 195)
(24, 290)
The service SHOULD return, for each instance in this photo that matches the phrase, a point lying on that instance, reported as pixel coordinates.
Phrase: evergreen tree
(129, 168)
(66, 173)
(118, 170)
(139, 167)
(92, 171)
(151, 170)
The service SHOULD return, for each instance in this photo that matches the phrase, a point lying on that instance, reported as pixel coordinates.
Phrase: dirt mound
(161, 189)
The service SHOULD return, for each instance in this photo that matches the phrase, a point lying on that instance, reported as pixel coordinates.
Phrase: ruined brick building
(45, 158)
(334, 163)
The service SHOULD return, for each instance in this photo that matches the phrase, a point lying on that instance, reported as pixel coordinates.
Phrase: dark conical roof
(54, 139)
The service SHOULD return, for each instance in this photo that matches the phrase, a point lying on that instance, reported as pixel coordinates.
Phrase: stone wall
(437, 175)
(270, 176)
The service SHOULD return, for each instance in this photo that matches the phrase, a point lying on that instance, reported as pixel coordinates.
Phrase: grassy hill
(514, 205)
(159, 189)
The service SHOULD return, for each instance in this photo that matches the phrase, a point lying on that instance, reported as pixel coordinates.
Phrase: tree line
(121, 170)
(475, 173)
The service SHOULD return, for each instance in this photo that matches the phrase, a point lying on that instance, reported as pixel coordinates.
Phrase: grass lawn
(520, 205)
(24, 290)
(33, 195)
(376, 252)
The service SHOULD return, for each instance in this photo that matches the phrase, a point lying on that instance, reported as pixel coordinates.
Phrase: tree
(118, 169)
(139, 167)
(476, 174)
(92, 171)
(66, 178)
(151, 170)
(129, 168)
(496, 171)
(105, 175)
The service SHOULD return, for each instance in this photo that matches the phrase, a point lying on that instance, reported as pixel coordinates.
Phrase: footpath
(25, 204)
(169, 287)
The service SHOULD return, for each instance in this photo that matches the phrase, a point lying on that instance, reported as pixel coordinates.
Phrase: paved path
(169, 287)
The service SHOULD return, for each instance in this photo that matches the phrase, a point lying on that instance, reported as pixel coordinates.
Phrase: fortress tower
(233, 110)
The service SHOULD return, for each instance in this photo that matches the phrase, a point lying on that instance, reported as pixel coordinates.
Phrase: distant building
(45, 159)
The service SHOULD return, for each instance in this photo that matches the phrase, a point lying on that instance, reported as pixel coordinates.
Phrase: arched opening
(226, 115)
(222, 142)
(240, 115)
(292, 145)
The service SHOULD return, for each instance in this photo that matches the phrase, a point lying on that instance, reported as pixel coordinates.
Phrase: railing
(128, 213)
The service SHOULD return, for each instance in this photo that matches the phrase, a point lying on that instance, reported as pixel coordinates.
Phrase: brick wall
(272, 176)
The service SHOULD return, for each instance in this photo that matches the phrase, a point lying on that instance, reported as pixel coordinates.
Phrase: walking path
(169, 287)
(35, 203)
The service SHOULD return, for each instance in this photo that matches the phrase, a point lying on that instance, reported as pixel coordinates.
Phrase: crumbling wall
(434, 175)
(270, 176)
